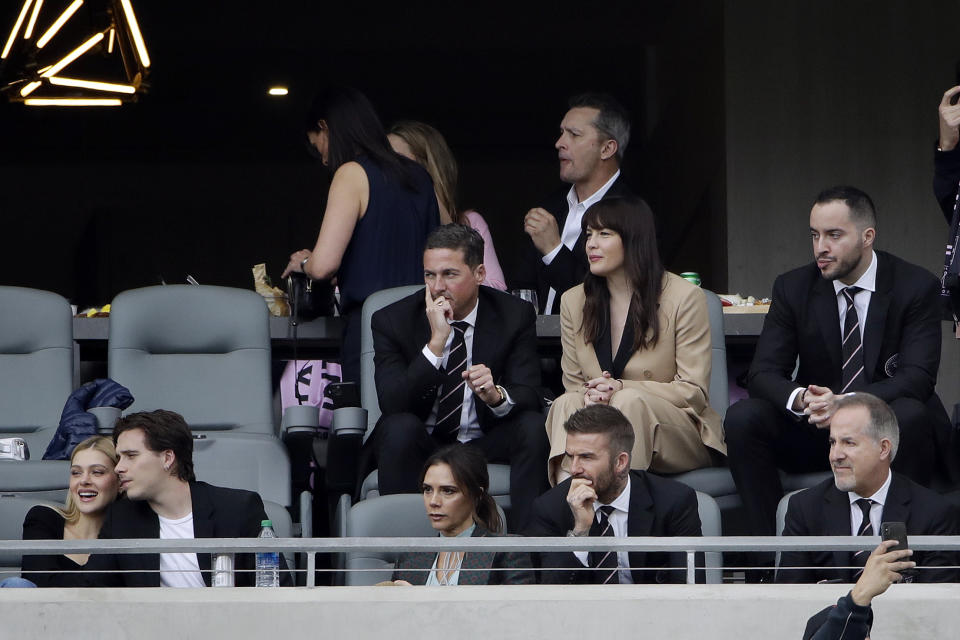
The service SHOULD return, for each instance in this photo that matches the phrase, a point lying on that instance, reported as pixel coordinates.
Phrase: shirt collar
(622, 501)
(595, 197)
(879, 497)
(867, 281)
(471, 318)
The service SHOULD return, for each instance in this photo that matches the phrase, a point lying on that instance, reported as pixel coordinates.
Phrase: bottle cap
(266, 523)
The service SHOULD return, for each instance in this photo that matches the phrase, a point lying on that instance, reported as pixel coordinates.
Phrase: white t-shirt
(179, 569)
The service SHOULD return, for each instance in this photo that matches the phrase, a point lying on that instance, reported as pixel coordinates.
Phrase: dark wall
(207, 175)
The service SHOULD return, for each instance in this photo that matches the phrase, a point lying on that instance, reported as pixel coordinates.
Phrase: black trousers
(403, 446)
(762, 438)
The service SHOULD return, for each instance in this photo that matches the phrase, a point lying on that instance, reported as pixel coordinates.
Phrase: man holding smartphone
(862, 495)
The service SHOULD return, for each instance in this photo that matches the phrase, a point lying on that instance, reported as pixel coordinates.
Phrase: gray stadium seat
(251, 462)
(201, 351)
(710, 526)
(13, 509)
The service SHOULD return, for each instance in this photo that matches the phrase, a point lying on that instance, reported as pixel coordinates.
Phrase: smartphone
(897, 531)
(343, 394)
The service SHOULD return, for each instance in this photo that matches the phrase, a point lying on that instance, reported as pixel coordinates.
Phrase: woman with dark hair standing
(637, 338)
(456, 495)
(380, 208)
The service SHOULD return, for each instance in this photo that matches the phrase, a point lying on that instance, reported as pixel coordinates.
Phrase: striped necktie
(852, 376)
(604, 561)
(451, 390)
(866, 529)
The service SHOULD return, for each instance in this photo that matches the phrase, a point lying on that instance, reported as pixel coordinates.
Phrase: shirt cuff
(547, 259)
(431, 358)
(793, 396)
(504, 407)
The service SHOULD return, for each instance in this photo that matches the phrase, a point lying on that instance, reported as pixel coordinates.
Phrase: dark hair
(458, 237)
(433, 153)
(163, 430)
(469, 469)
(601, 418)
(354, 130)
(613, 120)
(883, 421)
(633, 220)
(862, 212)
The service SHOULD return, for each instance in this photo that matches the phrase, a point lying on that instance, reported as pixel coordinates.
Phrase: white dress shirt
(861, 302)
(469, 422)
(618, 520)
(876, 509)
(571, 227)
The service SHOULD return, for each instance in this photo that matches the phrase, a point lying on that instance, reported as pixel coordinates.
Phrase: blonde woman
(425, 145)
(93, 487)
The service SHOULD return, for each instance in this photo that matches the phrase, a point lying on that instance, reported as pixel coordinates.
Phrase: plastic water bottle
(268, 562)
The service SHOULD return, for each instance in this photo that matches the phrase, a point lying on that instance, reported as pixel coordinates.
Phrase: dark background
(208, 175)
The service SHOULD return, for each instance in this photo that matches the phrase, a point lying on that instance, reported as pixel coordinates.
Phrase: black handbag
(309, 299)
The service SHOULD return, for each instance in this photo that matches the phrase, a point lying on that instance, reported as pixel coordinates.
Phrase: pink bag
(304, 382)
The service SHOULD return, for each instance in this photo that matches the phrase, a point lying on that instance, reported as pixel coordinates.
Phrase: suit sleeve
(521, 374)
(103, 568)
(776, 353)
(846, 621)
(401, 385)
(944, 521)
(547, 522)
(946, 177)
(252, 514)
(564, 271)
(795, 525)
(573, 376)
(516, 568)
(919, 347)
(688, 389)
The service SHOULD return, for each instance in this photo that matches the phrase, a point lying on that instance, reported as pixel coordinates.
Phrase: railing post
(691, 567)
(311, 569)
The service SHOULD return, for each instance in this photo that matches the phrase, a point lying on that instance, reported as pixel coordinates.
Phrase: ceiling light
(93, 84)
(73, 55)
(28, 89)
(16, 28)
(135, 31)
(278, 91)
(59, 22)
(33, 19)
(73, 102)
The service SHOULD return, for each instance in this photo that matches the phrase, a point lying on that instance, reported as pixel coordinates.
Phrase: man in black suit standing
(862, 494)
(593, 138)
(163, 500)
(458, 362)
(603, 497)
(854, 320)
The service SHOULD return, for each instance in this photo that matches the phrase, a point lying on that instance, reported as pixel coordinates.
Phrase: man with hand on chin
(603, 497)
(458, 362)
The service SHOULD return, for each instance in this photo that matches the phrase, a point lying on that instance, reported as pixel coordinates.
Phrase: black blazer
(504, 339)
(217, 513)
(568, 268)
(824, 510)
(475, 569)
(43, 523)
(658, 507)
(901, 348)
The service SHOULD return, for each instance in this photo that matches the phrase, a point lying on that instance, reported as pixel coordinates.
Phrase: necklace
(448, 563)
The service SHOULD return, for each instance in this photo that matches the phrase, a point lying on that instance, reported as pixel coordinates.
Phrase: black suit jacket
(824, 510)
(658, 507)
(217, 513)
(568, 268)
(901, 347)
(475, 569)
(504, 339)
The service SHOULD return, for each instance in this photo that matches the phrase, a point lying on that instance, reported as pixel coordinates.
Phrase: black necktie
(604, 561)
(852, 375)
(866, 529)
(451, 390)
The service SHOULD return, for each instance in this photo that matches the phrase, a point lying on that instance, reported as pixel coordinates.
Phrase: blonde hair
(104, 445)
(432, 151)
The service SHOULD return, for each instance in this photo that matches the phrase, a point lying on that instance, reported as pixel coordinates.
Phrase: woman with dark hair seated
(637, 338)
(456, 495)
(93, 487)
(380, 208)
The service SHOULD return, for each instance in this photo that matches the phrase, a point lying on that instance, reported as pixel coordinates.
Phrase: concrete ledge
(522, 612)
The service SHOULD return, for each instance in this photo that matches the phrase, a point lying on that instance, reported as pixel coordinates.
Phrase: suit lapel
(823, 302)
(897, 506)
(416, 567)
(639, 521)
(203, 510)
(475, 568)
(876, 319)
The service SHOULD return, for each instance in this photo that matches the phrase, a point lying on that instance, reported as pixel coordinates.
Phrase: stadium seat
(13, 509)
(710, 526)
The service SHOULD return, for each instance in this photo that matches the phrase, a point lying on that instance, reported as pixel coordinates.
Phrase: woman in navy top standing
(380, 208)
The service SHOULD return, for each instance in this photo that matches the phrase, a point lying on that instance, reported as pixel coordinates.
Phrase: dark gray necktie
(451, 390)
(852, 376)
(859, 558)
(605, 562)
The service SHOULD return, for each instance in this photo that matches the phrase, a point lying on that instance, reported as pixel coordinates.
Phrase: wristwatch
(503, 396)
(573, 534)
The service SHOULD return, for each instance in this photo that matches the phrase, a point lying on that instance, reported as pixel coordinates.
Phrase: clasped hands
(818, 404)
(600, 390)
(478, 377)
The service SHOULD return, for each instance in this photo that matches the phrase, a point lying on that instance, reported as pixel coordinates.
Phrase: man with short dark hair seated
(862, 494)
(603, 497)
(163, 500)
(458, 362)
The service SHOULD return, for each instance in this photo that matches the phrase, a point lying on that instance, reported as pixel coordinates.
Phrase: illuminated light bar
(92, 84)
(113, 35)
(28, 89)
(33, 19)
(278, 91)
(16, 28)
(59, 22)
(73, 102)
(73, 55)
(135, 32)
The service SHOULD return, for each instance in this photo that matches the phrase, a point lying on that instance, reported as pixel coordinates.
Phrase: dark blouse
(43, 523)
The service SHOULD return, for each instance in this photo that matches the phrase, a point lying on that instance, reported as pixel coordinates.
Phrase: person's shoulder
(901, 269)
(46, 516)
(620, 189)
(921, 494)
(218, 493)
(575, 296)
(812, 497)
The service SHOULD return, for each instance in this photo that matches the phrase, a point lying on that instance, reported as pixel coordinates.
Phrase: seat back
(710, 525)
(201, 351)
(396, 516)
(244, 461)
(13, 509)
(36, 480)
(368, 388)
(719, 390)
(36, 364)
(782, 507)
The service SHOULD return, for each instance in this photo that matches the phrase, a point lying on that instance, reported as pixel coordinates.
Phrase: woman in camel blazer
(660, 381)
